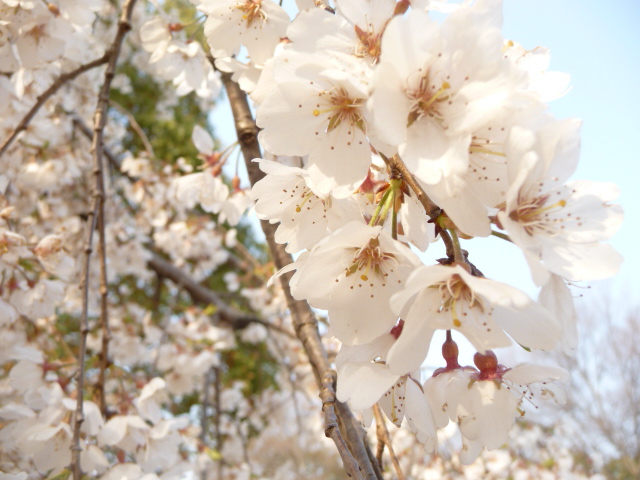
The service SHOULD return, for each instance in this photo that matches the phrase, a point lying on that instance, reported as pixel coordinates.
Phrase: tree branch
(44, 96)
(304, 320)
(385, 439)
(396, 164)
(97, 147)
(135, 126)
(331, 429)
(230, 316)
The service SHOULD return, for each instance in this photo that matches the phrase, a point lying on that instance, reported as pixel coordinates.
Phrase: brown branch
(135, 126)
(395, 164)
(304, 320)
(331, 429)
(44, 96)
(385, 439)
(84, 330)
(230, 316)
(111, 157)
(217, 421)
(97, 147)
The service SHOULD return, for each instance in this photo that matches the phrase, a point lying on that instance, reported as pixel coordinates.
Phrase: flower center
(369, 44)
(455, 291)
(251, 10)
(370, 259)
(341, 107)
(535, 215)
(426, 99)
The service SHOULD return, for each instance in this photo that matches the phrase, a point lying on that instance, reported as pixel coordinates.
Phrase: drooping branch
(98, 220)
(304, 320)
(135, 126)
(84, 331)
(230, 316)
(44, 96)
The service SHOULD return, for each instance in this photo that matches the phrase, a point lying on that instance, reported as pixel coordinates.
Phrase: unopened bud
(486, 363)
(175, 27)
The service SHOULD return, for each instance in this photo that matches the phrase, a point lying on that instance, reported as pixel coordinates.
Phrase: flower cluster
(387, 108)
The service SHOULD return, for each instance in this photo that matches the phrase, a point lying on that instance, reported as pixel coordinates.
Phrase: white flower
(305, 217)
(321, 98)
(54, 258)
(353, 273)
(256, 24)
(124, 431)
(556, 297)
(42, 38)
(549, 85)
(156, 38)
(363, 376)
(147, 403)
(558, 226)
(204, 188)
(234, 207)
(485, 403)
(364, 379)
(448, 297)
(38, 301)
(356, 28)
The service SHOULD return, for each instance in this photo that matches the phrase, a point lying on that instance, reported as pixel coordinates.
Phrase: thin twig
(97, 149)
(209, 378)
(458, 256)
(44, 96)
(217, 422)
(100, 120)
(135, 126)
(395, 163)
(111, 157)
(331, 430)
(304, 320)
(84, 330)
(385, 439)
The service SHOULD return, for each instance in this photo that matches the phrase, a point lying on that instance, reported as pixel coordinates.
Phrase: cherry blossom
(558, 226)
(256, 24)
(352, 273)
(305, 218)
(448, 297)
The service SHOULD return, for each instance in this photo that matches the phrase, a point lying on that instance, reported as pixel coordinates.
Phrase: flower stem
(457, 250)
(394, 217)
(501, 235)
(376, 214)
